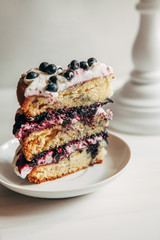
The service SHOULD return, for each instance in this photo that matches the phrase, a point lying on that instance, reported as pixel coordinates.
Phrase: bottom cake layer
(66, 159)
(77, 161)
(55, 155)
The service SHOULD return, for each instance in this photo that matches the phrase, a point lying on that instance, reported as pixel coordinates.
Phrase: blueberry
(31, 75)
(52, 87)
(60, 111)
(66, 122)
(84, 65)
(32, 163)
(74, 65)
(70, 114)
(43, 66)
(91, 61)
(69, 75)
(53, 79)
(51, 69)
(93, 149)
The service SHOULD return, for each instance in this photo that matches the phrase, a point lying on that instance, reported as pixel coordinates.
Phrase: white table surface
(127, 208)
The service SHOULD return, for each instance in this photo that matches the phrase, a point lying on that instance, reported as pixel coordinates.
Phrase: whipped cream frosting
(37, 86)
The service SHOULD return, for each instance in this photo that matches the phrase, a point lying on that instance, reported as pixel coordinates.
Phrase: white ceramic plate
(79, 183)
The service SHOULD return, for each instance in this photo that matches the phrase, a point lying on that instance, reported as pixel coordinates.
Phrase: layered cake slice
(51, 87)
(61, 124)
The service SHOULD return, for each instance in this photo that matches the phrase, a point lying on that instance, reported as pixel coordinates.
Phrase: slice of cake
(61, 125)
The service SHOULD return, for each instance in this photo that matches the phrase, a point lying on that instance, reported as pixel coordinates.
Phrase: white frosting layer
(37, 85)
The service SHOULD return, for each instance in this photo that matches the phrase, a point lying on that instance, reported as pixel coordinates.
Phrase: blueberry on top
(51, 69)
(84, 65)
(69, 75)
(31, 75)
(53, 79)
(74, 65)
(52, 87)
(43, 66)
(91, 61)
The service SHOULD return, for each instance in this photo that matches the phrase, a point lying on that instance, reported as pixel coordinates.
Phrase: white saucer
(79, 183)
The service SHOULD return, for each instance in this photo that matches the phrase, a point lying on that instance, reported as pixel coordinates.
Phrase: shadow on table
(14, 204)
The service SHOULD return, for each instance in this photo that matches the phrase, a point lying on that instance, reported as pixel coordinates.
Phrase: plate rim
(15, 187)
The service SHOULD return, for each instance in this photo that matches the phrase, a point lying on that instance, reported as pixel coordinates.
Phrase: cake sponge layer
(77, 161)
(87, 93)
(86, 114)
(46, 139)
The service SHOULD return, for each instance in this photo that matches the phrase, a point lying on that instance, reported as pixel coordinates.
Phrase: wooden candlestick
(136, 105)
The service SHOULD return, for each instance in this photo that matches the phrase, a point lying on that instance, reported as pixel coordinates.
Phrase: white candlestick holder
(136, 105)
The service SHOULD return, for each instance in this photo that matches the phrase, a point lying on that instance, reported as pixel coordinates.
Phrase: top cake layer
(39, 83)
(64, 87)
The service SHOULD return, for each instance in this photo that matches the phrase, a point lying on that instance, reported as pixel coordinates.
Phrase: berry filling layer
(86, 114)
(23, 167)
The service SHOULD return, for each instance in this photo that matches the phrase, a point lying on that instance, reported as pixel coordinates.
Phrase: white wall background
(32, 31)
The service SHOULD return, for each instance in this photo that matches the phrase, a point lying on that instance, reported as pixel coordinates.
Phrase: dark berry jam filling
(23, 127)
